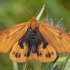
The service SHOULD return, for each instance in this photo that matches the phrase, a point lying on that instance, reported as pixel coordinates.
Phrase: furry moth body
(34, 39)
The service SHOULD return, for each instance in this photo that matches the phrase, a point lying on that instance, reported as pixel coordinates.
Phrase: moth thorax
(33, 25)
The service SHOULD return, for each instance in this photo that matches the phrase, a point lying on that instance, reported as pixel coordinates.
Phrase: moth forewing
(10, 36)
(59, 39)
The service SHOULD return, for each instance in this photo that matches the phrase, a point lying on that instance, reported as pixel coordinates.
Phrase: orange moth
(34, 39)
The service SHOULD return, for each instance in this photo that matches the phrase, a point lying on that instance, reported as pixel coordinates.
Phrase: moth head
(33, 23)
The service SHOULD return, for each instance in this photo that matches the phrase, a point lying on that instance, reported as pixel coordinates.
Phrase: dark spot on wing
(52, 53)
(27, 54)
(13, 53)
(39, 54)
(21, 44)
(17, 55)
(48, 55)
(45, 45)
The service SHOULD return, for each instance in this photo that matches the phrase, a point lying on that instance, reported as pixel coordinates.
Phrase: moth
(34, 40)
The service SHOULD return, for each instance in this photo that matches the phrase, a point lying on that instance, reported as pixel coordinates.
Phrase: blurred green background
(13, 12)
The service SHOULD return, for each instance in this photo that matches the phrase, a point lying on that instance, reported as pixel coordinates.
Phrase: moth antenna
(29, 11)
